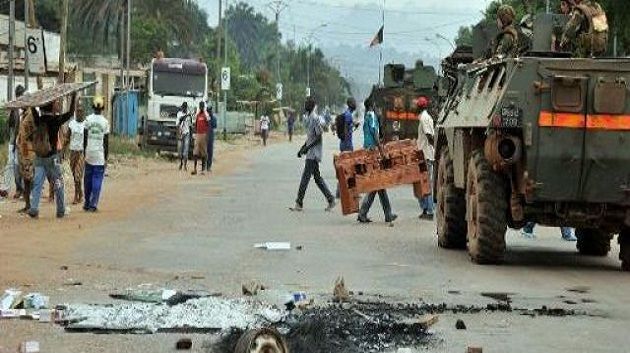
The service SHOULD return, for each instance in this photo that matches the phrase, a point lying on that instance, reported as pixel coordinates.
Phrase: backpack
(41, 140)
(340, 126)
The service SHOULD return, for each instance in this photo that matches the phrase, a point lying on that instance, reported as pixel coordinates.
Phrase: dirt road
(162, 227)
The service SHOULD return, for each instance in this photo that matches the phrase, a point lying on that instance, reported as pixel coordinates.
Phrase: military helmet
(98, 102)
(506, 14)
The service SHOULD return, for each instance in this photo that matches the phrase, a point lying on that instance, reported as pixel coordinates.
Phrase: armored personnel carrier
(542, 138)
(396, 99)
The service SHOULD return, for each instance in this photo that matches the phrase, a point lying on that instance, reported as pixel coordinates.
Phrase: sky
(409, 23)
(414, 29)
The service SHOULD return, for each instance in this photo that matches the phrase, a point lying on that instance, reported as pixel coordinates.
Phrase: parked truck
(542, 138)
(171, 81)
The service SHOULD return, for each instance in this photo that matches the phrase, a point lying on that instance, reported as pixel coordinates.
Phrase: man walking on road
(312, 149)
(371, 141)
(426, 142)
(96, 145)
(291, 125)
(47, 158)
(264, 128)
(212, 125)
(76, 130)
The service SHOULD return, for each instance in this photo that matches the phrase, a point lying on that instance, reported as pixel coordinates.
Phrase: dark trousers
(368, 200)
(93, 180)
(311, 168)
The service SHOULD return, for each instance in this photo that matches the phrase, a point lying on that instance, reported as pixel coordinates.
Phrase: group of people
(345, 125)
(204, 126)
(39, 138)
(585, 34)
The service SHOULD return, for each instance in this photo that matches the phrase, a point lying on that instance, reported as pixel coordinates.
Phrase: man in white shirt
(76, 131)
(426, 133)
(183, 124)
(264, 128)
(96, 151)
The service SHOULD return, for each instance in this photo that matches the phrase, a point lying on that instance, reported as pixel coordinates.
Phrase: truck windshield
(178, 84)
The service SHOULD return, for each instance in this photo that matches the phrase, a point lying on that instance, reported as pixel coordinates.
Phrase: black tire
(451, 206)
(624, 251)
(593, 242)
(487, 207)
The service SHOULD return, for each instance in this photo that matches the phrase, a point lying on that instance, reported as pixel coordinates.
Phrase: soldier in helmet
(506, 43)
(587, 29)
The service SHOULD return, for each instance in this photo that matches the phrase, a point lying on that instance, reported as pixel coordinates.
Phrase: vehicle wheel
(486, 211)
(451, 206)
(624, 251)
(593, 242)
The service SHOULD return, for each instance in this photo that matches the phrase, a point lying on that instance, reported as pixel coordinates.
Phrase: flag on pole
(378, 38)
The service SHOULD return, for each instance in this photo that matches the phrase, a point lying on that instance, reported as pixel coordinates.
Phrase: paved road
(210, 230)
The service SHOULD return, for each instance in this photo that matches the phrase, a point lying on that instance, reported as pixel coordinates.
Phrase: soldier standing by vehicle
(506, 43)
(587, 29)
(312, 149)
(371, 141)
(426, 143)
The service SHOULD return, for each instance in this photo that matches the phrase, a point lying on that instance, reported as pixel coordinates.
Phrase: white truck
(171, 81)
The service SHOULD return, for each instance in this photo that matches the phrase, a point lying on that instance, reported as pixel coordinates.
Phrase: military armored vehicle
(542, 138)
(396, 99)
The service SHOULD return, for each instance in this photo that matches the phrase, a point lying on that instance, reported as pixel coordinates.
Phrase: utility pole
(548, 7)
(128, 42)
(63, 41)
(225, 63)
(277, 6)
(219, 26)
(11, 80)
(26, 52)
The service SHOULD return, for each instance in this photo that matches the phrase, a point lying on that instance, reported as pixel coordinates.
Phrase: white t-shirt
(184, 127)
(264, 122)
(77, 131)
(426, 128)
(96, 127)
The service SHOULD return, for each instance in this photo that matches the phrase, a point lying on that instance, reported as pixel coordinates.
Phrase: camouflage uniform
(587, 30)
(506, 44)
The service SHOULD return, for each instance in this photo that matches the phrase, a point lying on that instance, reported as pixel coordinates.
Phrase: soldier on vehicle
(506, 43)
(587, 29)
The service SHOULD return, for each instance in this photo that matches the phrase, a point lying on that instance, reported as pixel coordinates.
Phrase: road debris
(460, 325)
(72, 282)
(168, 296)
(29, 347)
(474, 350)
(273, 246)
(183, 344)
(36, 301)
(251, 288)
(208, 314)
(340, 293)
(10, 299)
